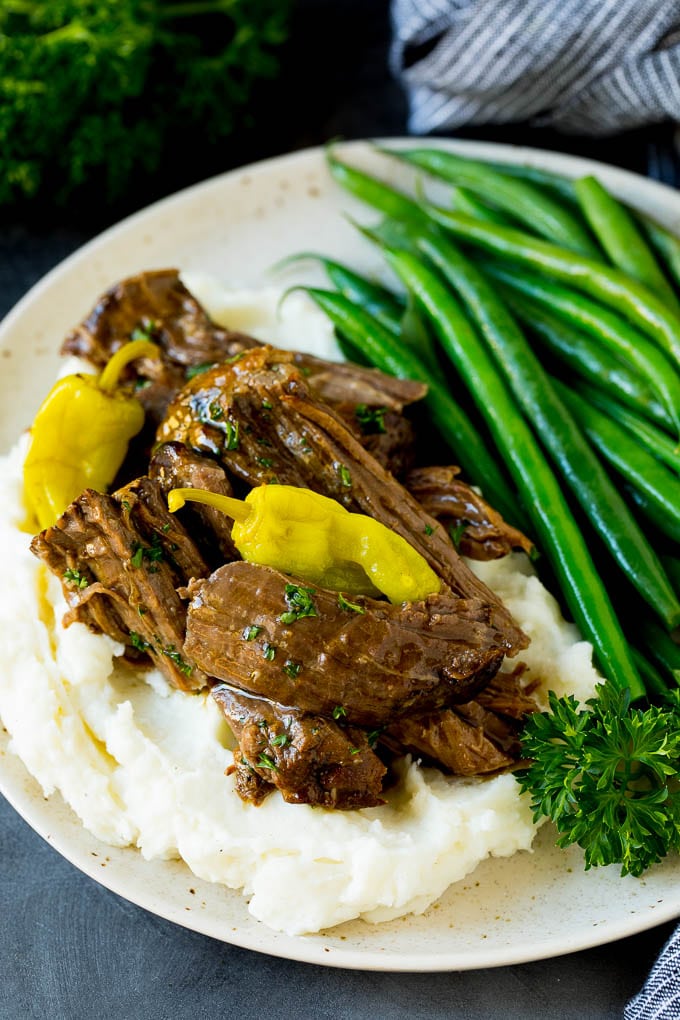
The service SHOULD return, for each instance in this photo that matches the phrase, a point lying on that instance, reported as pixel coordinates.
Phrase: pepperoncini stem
(235, 508)
(108, 380)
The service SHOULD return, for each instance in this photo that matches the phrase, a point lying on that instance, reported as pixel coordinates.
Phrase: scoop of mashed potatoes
(143, 765)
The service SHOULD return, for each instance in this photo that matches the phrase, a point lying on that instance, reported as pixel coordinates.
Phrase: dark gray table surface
(70, 948)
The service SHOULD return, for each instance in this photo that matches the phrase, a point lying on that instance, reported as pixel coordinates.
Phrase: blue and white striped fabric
(659, 999)
(582, 66)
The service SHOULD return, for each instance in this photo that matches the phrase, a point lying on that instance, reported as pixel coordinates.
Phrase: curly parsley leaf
(94, 94)
(608, 777)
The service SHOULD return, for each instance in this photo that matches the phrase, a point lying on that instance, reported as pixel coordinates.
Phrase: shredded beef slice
(460, 746)
(472, 738)
(310, 759)
(260, 418)
(483, 534)
(175, 466)
(364, 667)
(121, 558)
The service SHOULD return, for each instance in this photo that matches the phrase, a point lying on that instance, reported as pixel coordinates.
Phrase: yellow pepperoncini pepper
(80, 435)
(312, 537)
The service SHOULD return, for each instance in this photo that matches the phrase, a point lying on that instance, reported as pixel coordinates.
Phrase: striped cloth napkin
(582, 66)
(659, 998)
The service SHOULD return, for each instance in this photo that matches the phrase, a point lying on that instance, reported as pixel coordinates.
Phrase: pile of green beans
(568, 345)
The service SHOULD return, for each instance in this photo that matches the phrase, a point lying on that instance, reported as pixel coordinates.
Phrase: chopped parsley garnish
(145, 330)
(345, 476)
(299, 602)
(456, 532)
(339, 712)
(429, 530)
(141, 611)
(281, 741)
(231, 435)
(195, 370)
(354, 750)
(265, 462)
(372, 737)
(251, 632)
(269, 651)
(174, 656)
(138, 642)
(265, 762)
(267, 405)
(292, 668)
(347, 606)
(137, 557)
(75, 578)
(125, 504)
(215, 411)
(149, 553)
(371, 419)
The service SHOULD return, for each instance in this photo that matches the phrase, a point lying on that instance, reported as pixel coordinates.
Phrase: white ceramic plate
(528, 907)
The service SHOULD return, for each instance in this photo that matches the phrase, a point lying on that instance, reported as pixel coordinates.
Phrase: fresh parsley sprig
(608, 777)
(98, 94)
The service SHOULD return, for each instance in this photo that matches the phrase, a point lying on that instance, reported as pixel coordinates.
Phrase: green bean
(374, 192)
(522, 200)
(467, 202)
(545, 410)
(661, 647)
(554, 523)
(672, 568)
(587, 358)
(651, 677)
(614, 288)
(551, 182)
(380, 301)
(616, 231)
(665, 242)
(656, 442)
(618, 335)
(387, 354)
(657, 485)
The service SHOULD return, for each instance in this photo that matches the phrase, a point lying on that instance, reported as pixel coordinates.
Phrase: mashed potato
(144, 765)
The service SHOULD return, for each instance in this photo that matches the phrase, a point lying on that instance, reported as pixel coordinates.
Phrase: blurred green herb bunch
(96, 91)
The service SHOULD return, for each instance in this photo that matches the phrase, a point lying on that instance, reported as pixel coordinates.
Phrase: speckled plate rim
(509, 911)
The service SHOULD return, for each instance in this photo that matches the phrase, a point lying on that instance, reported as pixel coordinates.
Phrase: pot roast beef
(479, 530)
(175, 466)
(310, 759)
(121, 559)
(261, 420)
(365, 665)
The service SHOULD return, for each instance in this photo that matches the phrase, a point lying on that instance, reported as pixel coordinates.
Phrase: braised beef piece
(175, 466)
(479, 530)
(472, 738)
(121, 558)
(365, 665)
(507, 695)
(310, 759)
(446, 739)
(158, 303)
(261, 419)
